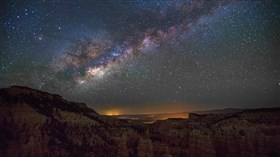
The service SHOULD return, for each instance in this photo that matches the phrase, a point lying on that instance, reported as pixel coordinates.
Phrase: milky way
(139, 55)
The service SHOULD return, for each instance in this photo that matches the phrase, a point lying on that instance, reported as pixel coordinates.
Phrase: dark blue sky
(144, 56)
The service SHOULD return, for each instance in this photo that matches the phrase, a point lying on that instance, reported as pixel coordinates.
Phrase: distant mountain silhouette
(35, 123)
(150, 118)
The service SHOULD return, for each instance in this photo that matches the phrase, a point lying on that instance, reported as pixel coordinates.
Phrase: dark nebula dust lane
(144, 56)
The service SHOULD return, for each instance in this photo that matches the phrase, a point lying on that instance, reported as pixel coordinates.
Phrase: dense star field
(144, 56)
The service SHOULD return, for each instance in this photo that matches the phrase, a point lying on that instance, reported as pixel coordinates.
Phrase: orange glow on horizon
(153, 108)
(112, 112)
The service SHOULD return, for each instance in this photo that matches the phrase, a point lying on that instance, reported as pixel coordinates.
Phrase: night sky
(145, 56)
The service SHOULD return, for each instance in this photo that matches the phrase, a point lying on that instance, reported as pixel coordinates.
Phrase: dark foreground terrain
(39, 124)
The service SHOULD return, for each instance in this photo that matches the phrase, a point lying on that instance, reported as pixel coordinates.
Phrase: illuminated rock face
(249, 133)
(35, 123)
(252, 133)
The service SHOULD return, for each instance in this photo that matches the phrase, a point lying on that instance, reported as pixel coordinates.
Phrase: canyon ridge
(35, 123)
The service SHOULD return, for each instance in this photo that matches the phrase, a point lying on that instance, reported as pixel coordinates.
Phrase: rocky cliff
(36, 123)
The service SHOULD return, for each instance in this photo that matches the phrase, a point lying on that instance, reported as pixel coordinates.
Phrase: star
(133, 53)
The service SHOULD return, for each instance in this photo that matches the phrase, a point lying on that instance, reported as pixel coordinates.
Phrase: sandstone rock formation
(36, 123)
